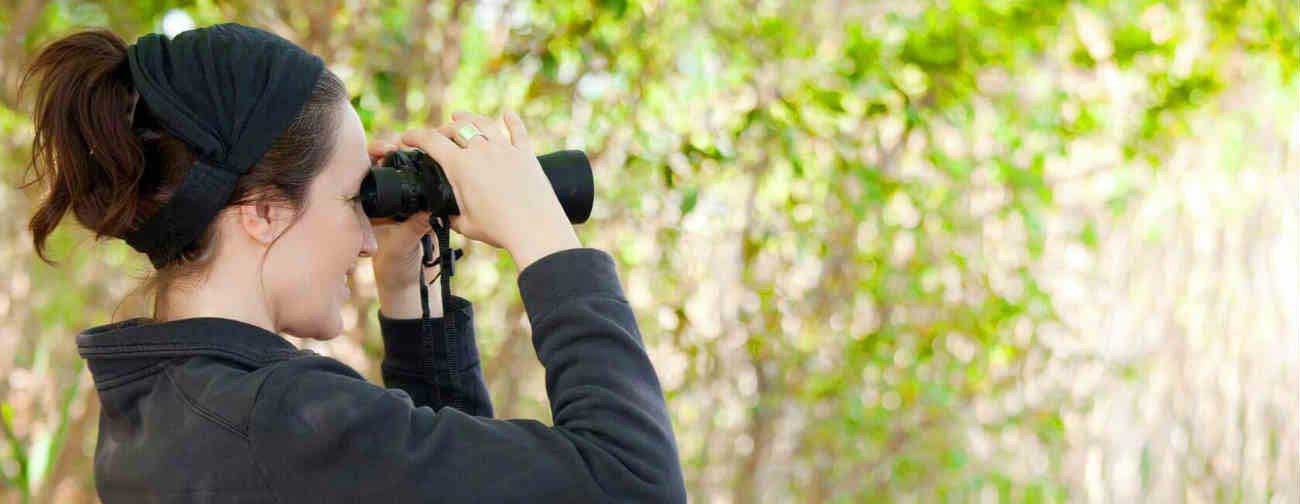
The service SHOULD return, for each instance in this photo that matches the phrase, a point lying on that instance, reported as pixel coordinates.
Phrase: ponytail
(84, 143)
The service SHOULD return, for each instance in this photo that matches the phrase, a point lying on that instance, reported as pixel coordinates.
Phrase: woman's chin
(331, 328)
(335, 327)
(329, 337)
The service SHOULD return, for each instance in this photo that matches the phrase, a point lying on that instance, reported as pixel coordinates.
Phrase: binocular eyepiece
(409, 181)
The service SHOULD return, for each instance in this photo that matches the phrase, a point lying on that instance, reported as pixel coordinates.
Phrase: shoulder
(223, 391)
(317, 420)
(312, 394)
(312, 376)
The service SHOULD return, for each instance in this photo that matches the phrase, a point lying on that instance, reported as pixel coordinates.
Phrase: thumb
(416, 225)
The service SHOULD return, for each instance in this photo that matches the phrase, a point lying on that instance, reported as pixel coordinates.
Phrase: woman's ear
(262, 221)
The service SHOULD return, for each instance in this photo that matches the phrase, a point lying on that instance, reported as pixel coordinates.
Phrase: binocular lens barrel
(409, 181)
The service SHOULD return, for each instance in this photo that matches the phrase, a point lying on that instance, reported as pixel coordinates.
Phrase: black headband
(227, 91)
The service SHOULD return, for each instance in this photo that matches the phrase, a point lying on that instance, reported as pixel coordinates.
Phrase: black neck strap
(446, 261)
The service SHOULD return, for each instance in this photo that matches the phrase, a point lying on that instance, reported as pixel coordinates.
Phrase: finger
(378, 147)
(488, 127)
(403, 232)
(465, 133)
(458, 224)
(459, 115)
(446, 131)
(518, 134)
(432, 143)
(417, 224)
(449, 131)
(443, 139)
(467, 229)
(484, 125)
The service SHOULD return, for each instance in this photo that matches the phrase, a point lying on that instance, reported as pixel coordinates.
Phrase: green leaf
(689, 200)
(16, 448)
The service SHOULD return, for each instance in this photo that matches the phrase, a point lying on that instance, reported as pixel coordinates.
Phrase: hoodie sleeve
(419, 363)
(319, 429)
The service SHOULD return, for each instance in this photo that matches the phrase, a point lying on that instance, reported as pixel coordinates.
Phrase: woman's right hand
(505, 199)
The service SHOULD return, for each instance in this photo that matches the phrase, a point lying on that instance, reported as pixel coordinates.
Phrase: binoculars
(408, 181)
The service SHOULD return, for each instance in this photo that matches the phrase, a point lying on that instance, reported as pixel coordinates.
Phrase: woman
(233, 159)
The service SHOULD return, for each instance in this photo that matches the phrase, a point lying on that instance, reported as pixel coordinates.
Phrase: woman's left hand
(398, 258)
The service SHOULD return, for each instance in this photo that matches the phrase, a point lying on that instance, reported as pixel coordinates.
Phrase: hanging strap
(451, 340)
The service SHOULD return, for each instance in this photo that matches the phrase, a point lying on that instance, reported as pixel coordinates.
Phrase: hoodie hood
(122, 351)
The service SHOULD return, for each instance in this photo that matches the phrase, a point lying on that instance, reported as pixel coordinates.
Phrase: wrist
(403, 302)
(398, 278)
(529, 251)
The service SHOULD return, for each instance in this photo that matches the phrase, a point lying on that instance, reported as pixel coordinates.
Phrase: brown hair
(114, 171)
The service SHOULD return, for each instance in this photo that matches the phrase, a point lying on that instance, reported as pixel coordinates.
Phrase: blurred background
(915, 251)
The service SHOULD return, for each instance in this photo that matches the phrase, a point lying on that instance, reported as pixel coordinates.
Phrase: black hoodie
(212, 409)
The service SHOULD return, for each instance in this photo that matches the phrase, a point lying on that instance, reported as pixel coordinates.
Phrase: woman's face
(306, 271)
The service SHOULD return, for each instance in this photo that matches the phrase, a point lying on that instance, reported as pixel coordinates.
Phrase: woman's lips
(347, 281)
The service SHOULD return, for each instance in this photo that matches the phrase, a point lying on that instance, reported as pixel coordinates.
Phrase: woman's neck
(215, 298)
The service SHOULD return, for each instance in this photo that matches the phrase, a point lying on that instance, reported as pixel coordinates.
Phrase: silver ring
(468, 131)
